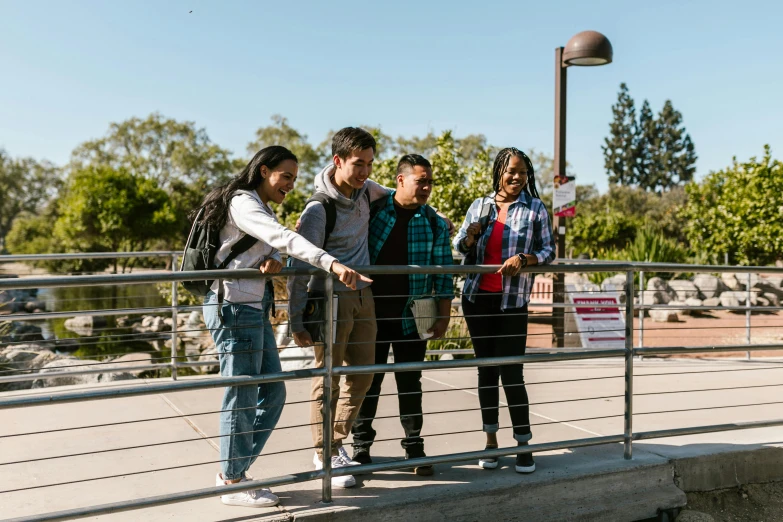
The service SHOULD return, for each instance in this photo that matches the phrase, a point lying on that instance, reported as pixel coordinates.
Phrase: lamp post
(588, 48)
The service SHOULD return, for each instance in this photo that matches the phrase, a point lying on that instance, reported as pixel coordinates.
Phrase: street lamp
(588, 48)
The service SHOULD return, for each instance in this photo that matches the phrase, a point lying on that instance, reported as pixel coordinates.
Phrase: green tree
(26, 186)
(739, 211)
(674, 157)
(161, 149)
(620, 146)
(113, 209)
(281, 133)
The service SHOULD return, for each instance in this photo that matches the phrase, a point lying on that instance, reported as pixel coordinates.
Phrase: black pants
(499, 333)
(411, 349)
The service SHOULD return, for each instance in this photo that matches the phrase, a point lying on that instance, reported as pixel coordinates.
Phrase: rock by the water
(731, 281)
(21, 332)
(659, 292)
(129, 362)
(194, 318)
(615, 283)
(773, 299)
(84, 325)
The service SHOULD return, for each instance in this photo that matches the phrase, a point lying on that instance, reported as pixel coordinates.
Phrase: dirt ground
(751, 503)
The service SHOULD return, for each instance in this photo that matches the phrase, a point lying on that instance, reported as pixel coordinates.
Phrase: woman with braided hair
(510, 228)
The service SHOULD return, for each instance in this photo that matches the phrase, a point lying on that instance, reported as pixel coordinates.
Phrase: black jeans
(499, 333)
(407, 348)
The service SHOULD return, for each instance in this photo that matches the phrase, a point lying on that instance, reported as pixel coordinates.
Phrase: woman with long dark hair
(511, 228)
(239, 319)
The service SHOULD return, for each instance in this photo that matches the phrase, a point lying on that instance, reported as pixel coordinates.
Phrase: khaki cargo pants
(354, 345)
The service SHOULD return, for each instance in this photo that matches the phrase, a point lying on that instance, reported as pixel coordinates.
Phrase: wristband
(523, 259)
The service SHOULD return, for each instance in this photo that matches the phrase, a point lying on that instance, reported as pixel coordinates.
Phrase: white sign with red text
(599, 327)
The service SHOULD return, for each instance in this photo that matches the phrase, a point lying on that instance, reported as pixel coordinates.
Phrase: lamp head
(588, 48)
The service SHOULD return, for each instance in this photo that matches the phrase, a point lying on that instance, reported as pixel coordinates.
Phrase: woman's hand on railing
(303, 338)
(270, 266)
(348, 276)
(511, 267)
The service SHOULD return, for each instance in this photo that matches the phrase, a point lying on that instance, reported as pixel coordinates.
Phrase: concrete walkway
(572, 400)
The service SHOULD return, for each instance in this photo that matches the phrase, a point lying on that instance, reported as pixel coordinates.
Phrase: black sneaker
(525, 462)
(362, 456)
(422, 471)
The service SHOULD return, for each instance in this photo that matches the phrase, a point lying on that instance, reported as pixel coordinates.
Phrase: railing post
(174, 304)
(326, 486)
(641, 309)
(747, 315)
(628, 414)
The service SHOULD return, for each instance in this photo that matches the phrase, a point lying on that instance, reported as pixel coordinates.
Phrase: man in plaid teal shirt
(404, 230)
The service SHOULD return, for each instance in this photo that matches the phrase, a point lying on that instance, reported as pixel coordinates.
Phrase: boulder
(684, 289)
(128, 362)
(679, 311)
(664, 316)
(773, 299)
(84, 325)
(194, 318)
(767, 287)
(147, 321)
(21, 332)
(24, 357)
(71, 364)
(689, 515)
(732, 298)
(775, 281)
(616, 283)
(731, 281)
(762, 301)
(709, 285)
(34, 306)
(209, 355)
(695, 302)
(712, 302)
(662, 293)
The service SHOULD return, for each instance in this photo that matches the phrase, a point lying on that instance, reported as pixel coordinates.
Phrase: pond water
(106, 339)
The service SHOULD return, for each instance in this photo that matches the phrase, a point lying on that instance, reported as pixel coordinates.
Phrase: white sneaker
(344, 481)
(344, 454)
(250, 498)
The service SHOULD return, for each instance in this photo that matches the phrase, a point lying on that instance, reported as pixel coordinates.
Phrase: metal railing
(627, 437)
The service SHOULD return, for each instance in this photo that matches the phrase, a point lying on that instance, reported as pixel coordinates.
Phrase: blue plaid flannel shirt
(527, 231)
(423, 250)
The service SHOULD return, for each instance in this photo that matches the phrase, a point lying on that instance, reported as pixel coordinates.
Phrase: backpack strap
(377, 205)
(240, 247)
(331, 211)
(433, 218)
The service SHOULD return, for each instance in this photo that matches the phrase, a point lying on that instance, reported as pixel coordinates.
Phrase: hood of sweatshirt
(323, 183)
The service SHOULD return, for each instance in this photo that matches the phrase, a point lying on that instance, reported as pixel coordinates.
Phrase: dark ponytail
(216, 203)
(501, 163)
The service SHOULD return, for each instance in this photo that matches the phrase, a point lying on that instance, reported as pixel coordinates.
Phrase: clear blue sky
(68, 68)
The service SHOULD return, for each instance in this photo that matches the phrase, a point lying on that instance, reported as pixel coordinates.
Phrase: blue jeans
(246, 346)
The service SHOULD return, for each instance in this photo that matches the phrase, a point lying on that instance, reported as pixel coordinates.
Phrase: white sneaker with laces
(344, 481)
(250, 498)
(344, 454)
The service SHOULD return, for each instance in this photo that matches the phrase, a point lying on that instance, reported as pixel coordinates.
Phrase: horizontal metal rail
(667, 350)
(696, 430)
(219, 382)
(676, 307)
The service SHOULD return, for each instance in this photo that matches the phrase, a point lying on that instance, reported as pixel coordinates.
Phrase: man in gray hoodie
(345, 184)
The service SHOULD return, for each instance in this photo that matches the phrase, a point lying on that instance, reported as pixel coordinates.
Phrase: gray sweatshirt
(347, 242)
(247, 214)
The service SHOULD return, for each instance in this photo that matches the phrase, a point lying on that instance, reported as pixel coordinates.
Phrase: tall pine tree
(653, 153)
(619, 147)
(675, 157)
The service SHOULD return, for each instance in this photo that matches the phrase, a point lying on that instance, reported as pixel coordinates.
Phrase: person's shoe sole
(525, 469)
(233, 502)
(424, 471)
(488, 464)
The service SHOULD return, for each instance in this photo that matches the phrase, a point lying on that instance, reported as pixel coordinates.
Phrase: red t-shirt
(493, 254)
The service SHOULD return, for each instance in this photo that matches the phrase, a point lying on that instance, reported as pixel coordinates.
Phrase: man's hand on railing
(303, 338)
(271, 266)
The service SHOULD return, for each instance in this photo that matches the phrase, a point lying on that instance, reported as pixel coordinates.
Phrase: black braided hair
(501, 163)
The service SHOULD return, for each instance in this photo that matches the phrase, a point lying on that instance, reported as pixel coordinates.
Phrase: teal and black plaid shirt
(423, 250)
